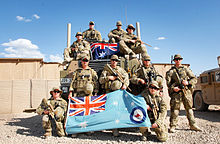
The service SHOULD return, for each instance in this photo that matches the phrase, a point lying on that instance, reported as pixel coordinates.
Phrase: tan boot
(143, 138)
(195, 128)
(60, 133)
(47, 134)
(172, 130)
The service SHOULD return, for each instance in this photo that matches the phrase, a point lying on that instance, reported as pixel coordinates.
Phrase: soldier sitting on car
(53, 108)
(116, 34)
(78, 49)
(131, 45)
(91, 35)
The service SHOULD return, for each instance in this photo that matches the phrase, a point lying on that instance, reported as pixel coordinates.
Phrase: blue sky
(38, 28)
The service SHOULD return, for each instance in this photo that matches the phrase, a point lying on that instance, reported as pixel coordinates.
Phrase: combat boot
(195, 128)
(172, 130)
(47, 134)
(144, 135)
(115, 132)
(143, 138)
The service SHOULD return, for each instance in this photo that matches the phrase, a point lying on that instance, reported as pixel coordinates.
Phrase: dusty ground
(26, 128)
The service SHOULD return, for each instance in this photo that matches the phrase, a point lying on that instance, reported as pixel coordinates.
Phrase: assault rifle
(154, 107)
(148, 77)
(179, 82)
(140, 41)
(49, 107)
(117, 74)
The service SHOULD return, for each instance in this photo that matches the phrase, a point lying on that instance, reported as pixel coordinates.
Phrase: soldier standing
(157, 111)
(146, 74)
(78, 49)
(111, 82)
(91, 35)
(130, 44)
(116, 34)
(85, 80)
(53, 108)
(180, 83)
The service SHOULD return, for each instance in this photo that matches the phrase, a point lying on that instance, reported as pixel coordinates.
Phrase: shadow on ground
(210, 115)
(31, 126)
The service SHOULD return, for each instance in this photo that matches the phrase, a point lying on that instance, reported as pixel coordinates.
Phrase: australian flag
(102, 50)
(118, 109)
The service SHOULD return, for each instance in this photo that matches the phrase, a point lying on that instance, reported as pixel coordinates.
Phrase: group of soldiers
(85, 82)
(129, 44)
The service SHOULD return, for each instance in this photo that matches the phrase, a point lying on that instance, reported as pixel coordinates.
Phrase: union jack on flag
(81, 106)
(101, 50)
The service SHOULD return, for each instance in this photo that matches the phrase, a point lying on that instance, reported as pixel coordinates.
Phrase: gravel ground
(26, 128)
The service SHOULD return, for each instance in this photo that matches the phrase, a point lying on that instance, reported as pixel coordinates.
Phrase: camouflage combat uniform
(130, 48)
(150, 72)
(113, 35)
(84, 82)
(161, 131)
(178, 97)
(60, 106)
(110, 85)
(92, 35)
(81, 48)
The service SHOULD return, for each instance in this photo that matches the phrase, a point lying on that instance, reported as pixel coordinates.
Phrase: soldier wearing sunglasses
(110, 82)
(180, 83)
(57, 112)
(157, 111)
(85, 80)
(78, 49)
(146, 74)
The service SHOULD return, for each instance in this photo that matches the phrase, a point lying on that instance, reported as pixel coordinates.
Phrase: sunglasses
(114, 60)
(153, 87)
(85, 60)
(56, 91)
(146, 60)
(178, 59)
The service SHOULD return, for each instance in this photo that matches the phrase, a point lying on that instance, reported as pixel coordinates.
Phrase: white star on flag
(115, 103)
(117, 121)
(83, 124)
(126, 95)
(132, 103)
(102, 54)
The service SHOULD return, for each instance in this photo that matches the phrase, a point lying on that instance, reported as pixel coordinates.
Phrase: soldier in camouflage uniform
(145, 74)
(131, 45)
(111, 83)
(116, 34)
(85, 80)
(151, 96)
(59, 106)
(91, 35)
(180, 83)
(78, 49)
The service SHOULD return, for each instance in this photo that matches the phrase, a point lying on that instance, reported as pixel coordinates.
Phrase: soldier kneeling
(53, 108)
(157, 111)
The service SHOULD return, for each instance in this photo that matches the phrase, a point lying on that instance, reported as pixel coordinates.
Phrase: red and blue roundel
(138, 115)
